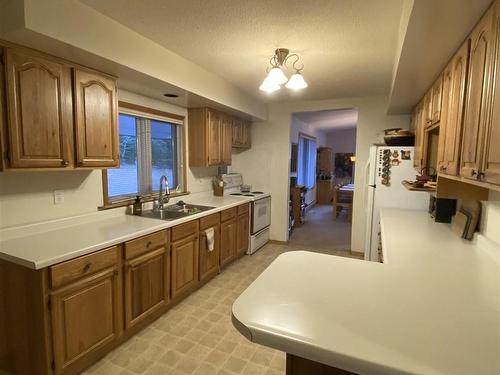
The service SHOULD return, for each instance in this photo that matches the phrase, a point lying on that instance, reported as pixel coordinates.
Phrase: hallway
(320, 231)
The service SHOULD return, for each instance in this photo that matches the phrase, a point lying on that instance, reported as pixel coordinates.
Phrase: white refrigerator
(387, 166)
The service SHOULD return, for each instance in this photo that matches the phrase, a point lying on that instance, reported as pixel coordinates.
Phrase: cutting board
(465, 221)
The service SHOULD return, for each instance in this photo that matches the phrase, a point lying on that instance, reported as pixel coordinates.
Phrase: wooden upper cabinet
(227, 140)
(241, 133)
(419, 136)
(39, 111)
(446, 79)
(491, 160)
(427, 109)
(436, 97)
(96, 120)
(214, 141)
(476, 106)
(86, 318)
(450, 133)
(211, 136)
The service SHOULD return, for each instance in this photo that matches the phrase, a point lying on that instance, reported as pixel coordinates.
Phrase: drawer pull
(86, 267)
(149, 244)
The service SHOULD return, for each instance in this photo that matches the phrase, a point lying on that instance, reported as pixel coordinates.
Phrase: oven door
(261, 214)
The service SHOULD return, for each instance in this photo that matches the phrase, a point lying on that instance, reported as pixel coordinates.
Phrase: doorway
(322, 178)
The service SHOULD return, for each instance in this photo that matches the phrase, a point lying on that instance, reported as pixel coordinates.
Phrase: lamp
(296, 82)
(276, 77)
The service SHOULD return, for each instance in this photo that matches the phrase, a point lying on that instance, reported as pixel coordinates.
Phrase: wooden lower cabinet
(242, 234)
(185, 253)
(209, 259)
(86, 317)
(228, 231)
(63, 318)
(147, 285)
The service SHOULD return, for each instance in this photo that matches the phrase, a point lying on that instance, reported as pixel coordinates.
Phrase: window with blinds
(150, 146)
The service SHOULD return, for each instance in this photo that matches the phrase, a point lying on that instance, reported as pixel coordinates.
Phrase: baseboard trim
(276, 242)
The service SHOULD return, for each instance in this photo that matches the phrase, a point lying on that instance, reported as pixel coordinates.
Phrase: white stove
(260, 213)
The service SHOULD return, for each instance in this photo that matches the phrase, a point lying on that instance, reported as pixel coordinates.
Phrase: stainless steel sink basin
(186, 207)
(164, 214)
(176, 211)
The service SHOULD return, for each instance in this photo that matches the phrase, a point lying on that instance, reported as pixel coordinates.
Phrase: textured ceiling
(348, 46)
(330, 120)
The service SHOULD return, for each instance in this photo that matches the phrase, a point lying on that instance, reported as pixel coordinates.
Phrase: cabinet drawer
(209, 221)
(66, 272)
(184, 230)
(144, 244)
(243, 209)
(228, 214)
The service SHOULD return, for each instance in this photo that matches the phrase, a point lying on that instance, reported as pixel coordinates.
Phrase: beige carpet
(320, 231)
(197, 336)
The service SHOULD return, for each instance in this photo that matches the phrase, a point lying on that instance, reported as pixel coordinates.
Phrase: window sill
(128, 201)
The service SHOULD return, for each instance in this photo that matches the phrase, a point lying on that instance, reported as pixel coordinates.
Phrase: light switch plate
(58, 196)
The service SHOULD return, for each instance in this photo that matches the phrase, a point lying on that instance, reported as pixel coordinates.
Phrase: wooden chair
(342, 199)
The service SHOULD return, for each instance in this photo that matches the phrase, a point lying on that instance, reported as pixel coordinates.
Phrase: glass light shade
(269, 86)
(277, 76)
(296, 82)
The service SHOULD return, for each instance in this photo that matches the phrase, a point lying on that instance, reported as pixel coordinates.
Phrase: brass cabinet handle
(86, 267)
(65, 163)
(149, 244)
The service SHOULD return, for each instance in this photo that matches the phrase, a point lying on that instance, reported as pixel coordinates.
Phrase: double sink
(176, 211)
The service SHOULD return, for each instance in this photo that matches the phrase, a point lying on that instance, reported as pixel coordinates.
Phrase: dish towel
(210, 233)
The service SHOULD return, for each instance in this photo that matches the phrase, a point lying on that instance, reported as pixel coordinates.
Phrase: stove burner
(248, 195)
(257, 192)
(236, 194)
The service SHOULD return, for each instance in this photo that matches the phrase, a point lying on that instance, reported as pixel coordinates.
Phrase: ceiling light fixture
(276, 77)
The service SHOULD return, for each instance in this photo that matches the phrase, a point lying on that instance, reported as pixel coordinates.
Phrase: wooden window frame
(126, 201)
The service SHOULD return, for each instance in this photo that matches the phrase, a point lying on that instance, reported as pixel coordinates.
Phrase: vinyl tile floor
(197, 336)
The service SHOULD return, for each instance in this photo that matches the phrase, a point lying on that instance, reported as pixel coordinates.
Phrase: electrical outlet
(58, 196)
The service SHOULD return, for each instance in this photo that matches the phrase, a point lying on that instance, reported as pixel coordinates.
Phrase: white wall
(27, 197)
(298, 126)
(267, 163)
(342, 140)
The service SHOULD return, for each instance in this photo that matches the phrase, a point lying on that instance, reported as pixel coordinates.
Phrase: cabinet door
(147, 285)
(242, 234)
(96, 120)
(209, 260)
(184, 264)
(237, 133)
(419, 136)
(214, 141)
(477, 97)
(427, 109)
(436, 101)
(227, 140)
(39, 112)
(228, 241)
(455, 111)
(86, 317)
(443, 126)
(491, 164)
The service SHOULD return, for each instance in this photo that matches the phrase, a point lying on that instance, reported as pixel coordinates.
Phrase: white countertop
(43, 244)
(433, 308)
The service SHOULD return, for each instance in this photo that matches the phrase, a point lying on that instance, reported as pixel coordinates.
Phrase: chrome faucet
(163, 197)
